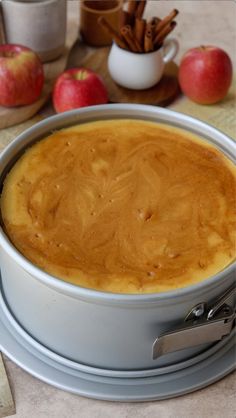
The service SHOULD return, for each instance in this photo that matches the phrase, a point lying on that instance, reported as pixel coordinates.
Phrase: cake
(123, 206)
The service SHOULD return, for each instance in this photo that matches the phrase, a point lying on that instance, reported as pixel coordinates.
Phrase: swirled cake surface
(123, 206)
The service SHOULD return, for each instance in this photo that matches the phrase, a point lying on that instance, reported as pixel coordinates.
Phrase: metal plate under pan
(162, 386)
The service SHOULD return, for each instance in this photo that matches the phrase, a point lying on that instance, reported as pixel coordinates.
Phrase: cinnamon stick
(167, 20)
(153, 24)
(155, 20)
(132, 5)
(150, 27)
(163, 33)
(113, 33)
(125, 18)
(140, 9)
(130, 39)
(139, 30)
(148, 41)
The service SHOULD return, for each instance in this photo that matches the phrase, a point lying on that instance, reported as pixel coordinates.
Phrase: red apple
(78, 87)
(205, 74)
(21, 75)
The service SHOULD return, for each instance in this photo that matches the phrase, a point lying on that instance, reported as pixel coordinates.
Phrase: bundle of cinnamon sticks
(135, 33)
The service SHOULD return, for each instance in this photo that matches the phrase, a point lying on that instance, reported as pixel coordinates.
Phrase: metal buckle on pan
(202, 325)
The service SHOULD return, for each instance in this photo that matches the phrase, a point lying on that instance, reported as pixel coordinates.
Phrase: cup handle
(171, 47)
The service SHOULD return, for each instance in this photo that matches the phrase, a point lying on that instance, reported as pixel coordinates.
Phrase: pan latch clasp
(202, 325)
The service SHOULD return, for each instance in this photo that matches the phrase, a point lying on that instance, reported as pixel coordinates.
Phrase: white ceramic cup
(139, 71)
(37, 24)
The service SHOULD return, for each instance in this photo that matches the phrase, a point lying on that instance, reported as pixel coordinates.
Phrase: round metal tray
(157, 384)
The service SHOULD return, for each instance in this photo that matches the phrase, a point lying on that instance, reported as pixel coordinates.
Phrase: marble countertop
(199, 22)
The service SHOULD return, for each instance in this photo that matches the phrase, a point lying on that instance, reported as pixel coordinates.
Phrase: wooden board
(13, 116)
(162, 94)
(7, 406)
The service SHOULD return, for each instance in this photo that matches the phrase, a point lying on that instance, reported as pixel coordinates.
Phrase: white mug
(37, 24)
(139, 71)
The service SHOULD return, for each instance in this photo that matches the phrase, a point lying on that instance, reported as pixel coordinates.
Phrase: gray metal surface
(167, 385)
(103, 330)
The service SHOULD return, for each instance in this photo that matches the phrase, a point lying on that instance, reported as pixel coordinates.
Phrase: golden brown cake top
(123, 206)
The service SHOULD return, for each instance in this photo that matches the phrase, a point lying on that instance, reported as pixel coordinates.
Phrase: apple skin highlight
(21, 76)
(78, 87)
(205, 74)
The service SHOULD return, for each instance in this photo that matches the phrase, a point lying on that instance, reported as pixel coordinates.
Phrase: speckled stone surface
(200, 22)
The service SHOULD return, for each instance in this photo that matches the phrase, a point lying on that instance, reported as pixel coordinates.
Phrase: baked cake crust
(124, 206)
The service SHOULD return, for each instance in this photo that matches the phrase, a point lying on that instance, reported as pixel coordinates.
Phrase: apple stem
(82, 75)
